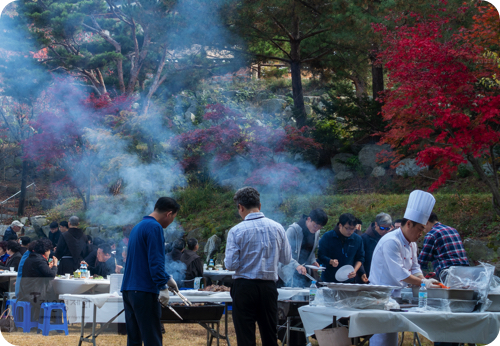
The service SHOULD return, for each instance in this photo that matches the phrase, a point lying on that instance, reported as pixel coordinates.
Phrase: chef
(395, 259)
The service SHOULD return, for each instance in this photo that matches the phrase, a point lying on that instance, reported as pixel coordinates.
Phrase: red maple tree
(443, 100)
(230, 136)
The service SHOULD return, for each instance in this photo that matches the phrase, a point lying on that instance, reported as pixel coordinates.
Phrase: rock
(273, 106)
(288, 111)
(212, 246)
(38, 221)
(478, 250)
(378, 172)
(30, 232)
(344, 175)
(337, 162)
(23, 220)
(311, 99)
(368, 154)
(188, 116)
(45, 230)
(33, 201)
(409, 167)
(309, 109)
(48, 204)
(3, 228)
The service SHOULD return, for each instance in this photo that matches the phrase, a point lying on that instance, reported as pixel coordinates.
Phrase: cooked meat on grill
(215, 288)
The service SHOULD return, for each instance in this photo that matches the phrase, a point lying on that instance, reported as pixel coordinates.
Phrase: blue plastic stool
(23, 319)
(11, 303)
(45, 324)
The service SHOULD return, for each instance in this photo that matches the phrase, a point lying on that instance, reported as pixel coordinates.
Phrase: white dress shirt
(254, 248)
(394, 259)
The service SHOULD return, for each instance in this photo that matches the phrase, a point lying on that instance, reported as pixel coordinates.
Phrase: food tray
(446, 293)
(495, 302)
(196, 293)
(207, 312)
(359, 287)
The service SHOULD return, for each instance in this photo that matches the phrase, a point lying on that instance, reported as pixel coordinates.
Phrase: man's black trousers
(142, 317)
(255, 301)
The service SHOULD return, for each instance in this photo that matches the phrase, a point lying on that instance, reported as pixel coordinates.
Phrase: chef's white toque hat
(419, 206)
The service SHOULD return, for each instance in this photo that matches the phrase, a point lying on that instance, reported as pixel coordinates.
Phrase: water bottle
(312, 293)
(211, 264)
(83, 270)
(422, 297)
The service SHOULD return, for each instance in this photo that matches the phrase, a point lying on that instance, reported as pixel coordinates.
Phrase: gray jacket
(295, 237)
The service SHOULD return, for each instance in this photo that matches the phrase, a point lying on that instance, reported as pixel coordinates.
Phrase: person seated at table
(54, 233)
(177, 250)
(13, 248)
(123, 242)
(303, 237)
(101, 262)
(31, 247)
(4, 256)
(380, 227)
(37, 276)
(11, 231)
(340, 247)
(71, 248)
(24, 242)
(63, 226)
(193, 262)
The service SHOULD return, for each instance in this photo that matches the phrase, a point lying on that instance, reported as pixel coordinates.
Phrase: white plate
(343, 273)
(314, 267)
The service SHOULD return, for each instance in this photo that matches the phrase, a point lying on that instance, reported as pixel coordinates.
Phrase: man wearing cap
(12, 230)
(379, 228)
(395, 259)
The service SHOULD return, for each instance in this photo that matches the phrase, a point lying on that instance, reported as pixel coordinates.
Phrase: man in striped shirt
(254, 248)
(442, 246)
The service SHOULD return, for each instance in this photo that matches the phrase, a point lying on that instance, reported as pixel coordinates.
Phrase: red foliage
(231, 135)
(438, 103)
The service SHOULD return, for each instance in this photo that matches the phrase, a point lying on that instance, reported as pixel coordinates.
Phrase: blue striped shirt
(254, 248)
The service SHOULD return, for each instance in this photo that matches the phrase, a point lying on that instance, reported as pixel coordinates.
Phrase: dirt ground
(176, 334)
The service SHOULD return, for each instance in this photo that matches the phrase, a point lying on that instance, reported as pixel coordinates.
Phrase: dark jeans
(142, 317)
(255, 301)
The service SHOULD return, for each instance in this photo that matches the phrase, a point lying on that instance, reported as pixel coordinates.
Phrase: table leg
(225, 323)
(93, 324)
(218, 334)
(83, 324)
(416, 337)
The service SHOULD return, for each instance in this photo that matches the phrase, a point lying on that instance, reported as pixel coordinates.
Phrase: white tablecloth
(112, 304)
(77, 286)
(480, 328)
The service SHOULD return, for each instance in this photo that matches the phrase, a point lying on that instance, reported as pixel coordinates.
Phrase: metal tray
(456, 305)
(359, 287)
(446, 293)
(495, 302)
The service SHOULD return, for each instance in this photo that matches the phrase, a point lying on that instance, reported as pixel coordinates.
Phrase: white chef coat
(394, 259)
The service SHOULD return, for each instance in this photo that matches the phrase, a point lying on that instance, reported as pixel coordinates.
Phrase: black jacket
(54, 237)
(100, 268)
(9, 234)
(194, 264)
(36, 283)
(370, 241)
(72, 243)
(13, 261)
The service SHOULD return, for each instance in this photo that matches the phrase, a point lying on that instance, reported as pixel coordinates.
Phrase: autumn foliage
(229, 138)
(443, 99)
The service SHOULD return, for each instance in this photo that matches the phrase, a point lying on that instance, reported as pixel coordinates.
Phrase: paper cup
(67, 275)
(12, 269)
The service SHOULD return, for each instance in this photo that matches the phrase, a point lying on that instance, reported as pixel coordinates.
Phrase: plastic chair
(45, 326)
(11, 303)
(22, 319)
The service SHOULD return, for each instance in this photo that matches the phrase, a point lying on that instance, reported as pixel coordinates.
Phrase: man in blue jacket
(145, 280)
(341, 247)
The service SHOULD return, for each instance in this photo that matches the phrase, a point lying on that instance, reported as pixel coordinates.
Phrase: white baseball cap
(17, 223)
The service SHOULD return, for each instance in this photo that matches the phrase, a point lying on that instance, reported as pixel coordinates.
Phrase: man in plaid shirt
(442, 246)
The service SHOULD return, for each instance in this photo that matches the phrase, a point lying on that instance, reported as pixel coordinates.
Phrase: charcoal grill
(208, 316)
(290, 328)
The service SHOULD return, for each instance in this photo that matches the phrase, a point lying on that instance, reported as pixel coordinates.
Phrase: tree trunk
(22, 196)
(299, 109)
(495, 191)
(377, 74)
(360, 84)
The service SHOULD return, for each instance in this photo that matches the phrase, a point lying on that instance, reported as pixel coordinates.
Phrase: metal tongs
(184, 299)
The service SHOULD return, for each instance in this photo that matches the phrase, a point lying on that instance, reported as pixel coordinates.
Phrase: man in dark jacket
(341, 247)
(24, 242)
(177, 250)
(71, 248)
(193, 262)
(11, 231)
(38, 273)
(101, 261)
(381, 226)
(54, 233)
